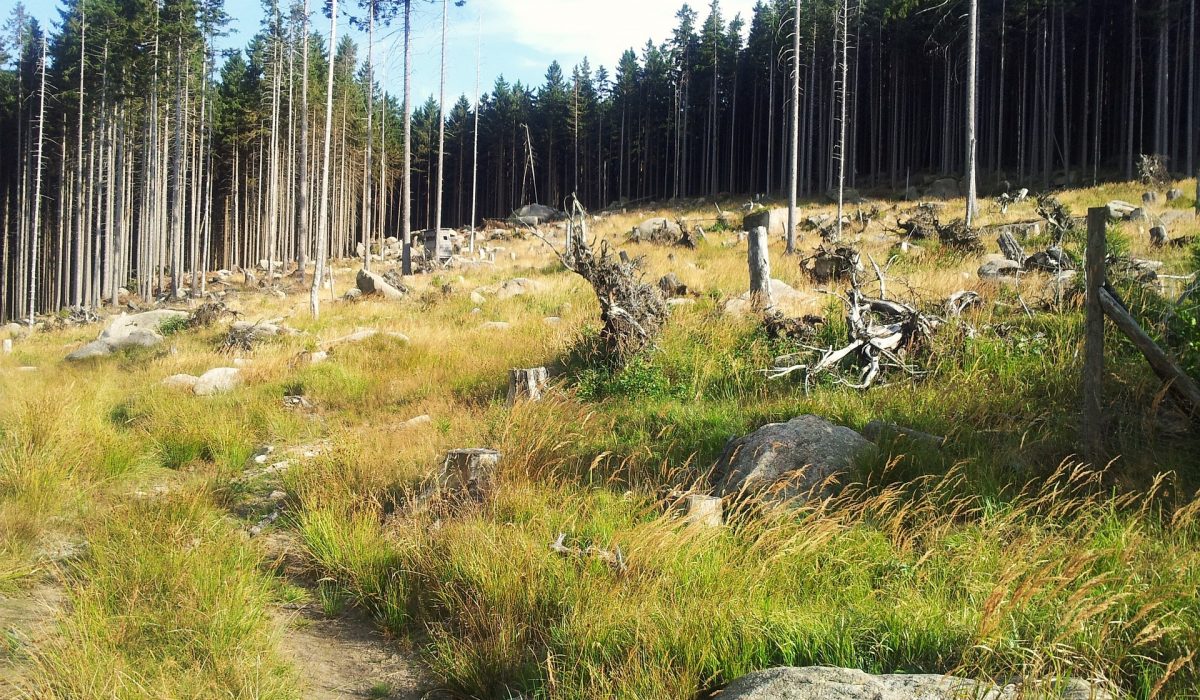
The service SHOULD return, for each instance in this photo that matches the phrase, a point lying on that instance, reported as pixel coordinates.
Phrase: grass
(997, 556)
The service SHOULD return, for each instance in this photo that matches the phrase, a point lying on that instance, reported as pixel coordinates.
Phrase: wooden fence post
(1092, 428)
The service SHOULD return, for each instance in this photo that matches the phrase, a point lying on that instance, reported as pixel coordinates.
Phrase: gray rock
(514, 287)
(352, 294)
(849, 196)
(128, 331)
(657, 228)
(995, 266)
(827, 683)
(911, 194)
(783, 297)
(1118, 210)
(1158, 236)
(15, 330)
(1174, 193)
(218, 380)
(538, 213)
(371, 283)
(1139, 215)
(774, 220)
(804, 452)
(945, 188)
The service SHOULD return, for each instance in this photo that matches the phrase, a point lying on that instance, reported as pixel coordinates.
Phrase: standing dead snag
(760, 268)
(632, 311)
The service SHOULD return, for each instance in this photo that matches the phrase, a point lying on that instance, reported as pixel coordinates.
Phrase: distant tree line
(135, 156)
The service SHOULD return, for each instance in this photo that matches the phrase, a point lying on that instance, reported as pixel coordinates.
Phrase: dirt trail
(342, 657)
(26, 621)
(346, 657)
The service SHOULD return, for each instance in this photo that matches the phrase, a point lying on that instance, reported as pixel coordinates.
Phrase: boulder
(774, 220)
(783, 297)
(15, 330)
(801, 453)
(371, 283)
(828, 683)
(128, 331)
(514, 287)
(538, 213)
(945, 188)
(911, 194)
(995, 266)
(218, 380)
(656, 230)
(849, 196)
(1118, 210)
(1174, 193)
(1139, 215)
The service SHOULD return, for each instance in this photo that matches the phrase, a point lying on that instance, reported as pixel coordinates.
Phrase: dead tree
(632, 311)
(760, 268)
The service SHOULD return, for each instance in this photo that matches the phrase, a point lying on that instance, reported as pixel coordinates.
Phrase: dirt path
(26, 621)
(346, 657)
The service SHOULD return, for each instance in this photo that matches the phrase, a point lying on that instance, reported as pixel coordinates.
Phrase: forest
(135, 157)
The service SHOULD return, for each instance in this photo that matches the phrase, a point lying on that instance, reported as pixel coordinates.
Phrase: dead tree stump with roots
(469, 472)
(526, 384)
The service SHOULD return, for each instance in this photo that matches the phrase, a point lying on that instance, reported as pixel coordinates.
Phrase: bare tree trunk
(437, 215)
(314, 300)
(406, 175)
(841, 145)
(370, 89)
(794, 150)
(35, 232)
(972, 85)
(302, 193)
(475, 136)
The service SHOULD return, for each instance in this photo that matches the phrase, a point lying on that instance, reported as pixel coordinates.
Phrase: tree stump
(526, 384)
(760, 268)
(470, 471)
(8, 346)
(1011, 248)
(704, 510)
(1158, 236)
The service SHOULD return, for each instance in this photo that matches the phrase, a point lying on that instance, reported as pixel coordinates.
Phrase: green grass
(170, 603)
(995, 556)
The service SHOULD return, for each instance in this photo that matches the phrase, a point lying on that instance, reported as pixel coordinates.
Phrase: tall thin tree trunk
(314, 299)
(794, 147)
(406, 175)
(972, 84)
(437, 215)
(35, 231)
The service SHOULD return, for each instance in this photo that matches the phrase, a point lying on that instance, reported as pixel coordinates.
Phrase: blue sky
(517, 38)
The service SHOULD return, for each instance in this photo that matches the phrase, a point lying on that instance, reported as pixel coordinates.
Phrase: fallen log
(1179, 381)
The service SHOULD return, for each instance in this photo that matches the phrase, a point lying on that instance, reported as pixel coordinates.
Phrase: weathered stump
(704, 510)
(526, 384)
(8, 346)
(1158, 236)
(1011, 248)
(760, 268)
(469, 472)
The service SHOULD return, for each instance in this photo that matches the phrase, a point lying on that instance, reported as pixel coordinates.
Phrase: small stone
(416, 422)
(277, 495)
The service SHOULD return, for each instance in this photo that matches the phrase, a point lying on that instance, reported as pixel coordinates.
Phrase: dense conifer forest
(135, 155)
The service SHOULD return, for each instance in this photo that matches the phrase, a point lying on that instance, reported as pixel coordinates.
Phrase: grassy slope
(945, 560)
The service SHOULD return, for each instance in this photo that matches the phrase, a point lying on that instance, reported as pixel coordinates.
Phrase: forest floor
(159, 544)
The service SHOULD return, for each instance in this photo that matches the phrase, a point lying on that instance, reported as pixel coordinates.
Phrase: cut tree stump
(704, 510)
(760, 268)
(8, 346)
(469, 471)
(526, 384)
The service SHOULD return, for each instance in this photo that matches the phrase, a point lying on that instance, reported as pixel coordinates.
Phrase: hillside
(158, 543)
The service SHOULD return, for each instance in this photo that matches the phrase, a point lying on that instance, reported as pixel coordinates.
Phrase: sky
(515, 38)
